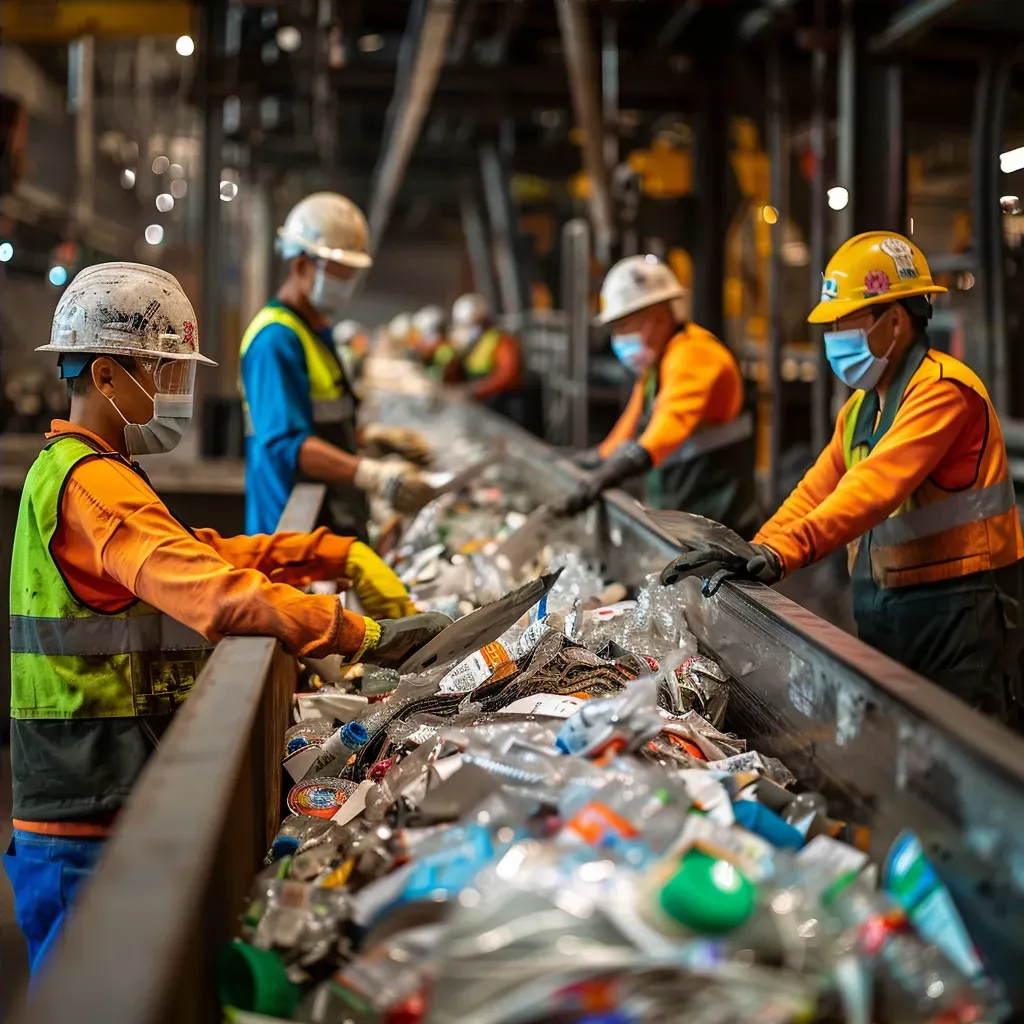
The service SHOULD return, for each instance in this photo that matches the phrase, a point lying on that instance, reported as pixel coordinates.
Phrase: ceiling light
(160, 165)
(155, 234)
(770, 214)
(176, 171)
(179, 188)
(838, 198)
(6, 252)
(1012, 160)
(58, 276)
(289, 38)
(127, 178)
(185, 46)
(228, 191)
(371, 43)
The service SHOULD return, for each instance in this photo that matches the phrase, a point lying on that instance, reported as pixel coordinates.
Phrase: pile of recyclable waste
(560, 828)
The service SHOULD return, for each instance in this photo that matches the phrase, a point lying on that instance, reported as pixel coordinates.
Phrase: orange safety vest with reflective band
(937, 534)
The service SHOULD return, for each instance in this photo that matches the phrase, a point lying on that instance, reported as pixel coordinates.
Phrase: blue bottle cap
(354, 735)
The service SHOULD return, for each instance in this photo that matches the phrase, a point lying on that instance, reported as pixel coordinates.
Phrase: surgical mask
(629, 350)
(329, 295)
(165, 429)
(852, 360)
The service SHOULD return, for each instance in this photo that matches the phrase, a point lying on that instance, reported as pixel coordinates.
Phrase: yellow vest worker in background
(115, 603)
(685, 424)
(429, 330)
(488, 358)
(299, 406)
(351, 343)
(915, 482)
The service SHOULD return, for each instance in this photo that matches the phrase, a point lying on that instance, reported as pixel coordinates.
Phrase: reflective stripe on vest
(936, 534)
(327, 391)
(480, 360)
(99, 636)
(711, 438)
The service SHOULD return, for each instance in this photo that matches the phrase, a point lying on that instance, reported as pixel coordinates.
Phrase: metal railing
(140, 944)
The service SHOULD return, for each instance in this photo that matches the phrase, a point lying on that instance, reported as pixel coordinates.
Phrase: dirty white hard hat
(636, 283)
(428, 322)
(126, 309)
(400, 326)
(470, 310)
(346, 330)
(326, 226)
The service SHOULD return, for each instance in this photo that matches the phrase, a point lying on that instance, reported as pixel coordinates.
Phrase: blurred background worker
(685, 424)
(915, 482)
(400, 335)
(298, 403)
(489, 359)
(115, 603)
(429, 328)
(351, 343)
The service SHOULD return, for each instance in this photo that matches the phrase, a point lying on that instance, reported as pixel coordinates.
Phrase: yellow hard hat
(869, 270)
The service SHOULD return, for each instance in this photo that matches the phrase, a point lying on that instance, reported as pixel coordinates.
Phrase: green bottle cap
(707, 895)
(254, 979)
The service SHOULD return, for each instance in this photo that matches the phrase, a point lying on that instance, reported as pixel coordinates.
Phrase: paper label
(476, 669)
(751, 854)
(355, 804)
(832, 857)
(550, 704)
(297, 765)
(343, 706)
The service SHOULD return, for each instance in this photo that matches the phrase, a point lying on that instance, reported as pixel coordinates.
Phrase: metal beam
(778, 156)
(407, 112)
(912, 20)
(674, 27)
(479, 252)
(821, 389)
(761, 18)
(572, 19)
(499, 208)
(55, 21)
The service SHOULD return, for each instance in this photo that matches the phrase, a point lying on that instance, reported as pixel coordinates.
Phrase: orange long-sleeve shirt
(507, 373)
(116, 540)
(939, 430)
(699, 381)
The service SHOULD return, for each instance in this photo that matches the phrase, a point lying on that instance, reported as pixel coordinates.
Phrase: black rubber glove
(764, 565)
(628, 460)
(401, 637)
(589, 458)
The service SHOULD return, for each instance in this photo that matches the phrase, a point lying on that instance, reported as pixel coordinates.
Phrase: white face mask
(171, 417)
(329, 295)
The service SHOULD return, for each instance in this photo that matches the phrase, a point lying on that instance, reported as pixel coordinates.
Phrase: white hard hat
(327, 226)
(400, 326)
(429, 321)
(125, 309)
(345, 330)
(470, 310)
(636, 283)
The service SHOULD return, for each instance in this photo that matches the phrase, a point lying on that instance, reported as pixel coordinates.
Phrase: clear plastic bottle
(295, 830)
(338, 748)
(878, 932)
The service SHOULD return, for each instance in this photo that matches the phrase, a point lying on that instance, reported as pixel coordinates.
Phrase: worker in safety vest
(115, 603)
(915, 482)
(429, 330)
(400, 337)
(488, 359)
(685, 425)
(351, 343)
(298, 403)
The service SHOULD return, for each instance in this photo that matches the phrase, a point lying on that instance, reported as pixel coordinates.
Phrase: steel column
(575, 290)
(81, 102)
(906, 26)
(822, 387)
(846, 119)
(572, 19)
(411, 99)
(880, 199)
(478, 250)
(777, 156)
(499, 209)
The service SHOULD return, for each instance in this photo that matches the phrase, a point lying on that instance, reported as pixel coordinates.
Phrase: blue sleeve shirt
(276, 386)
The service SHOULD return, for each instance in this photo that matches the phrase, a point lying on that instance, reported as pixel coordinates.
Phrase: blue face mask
(852, 360)
(629, 350)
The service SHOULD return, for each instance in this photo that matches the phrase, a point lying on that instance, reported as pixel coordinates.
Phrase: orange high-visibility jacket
(698, 382)
(931, 488)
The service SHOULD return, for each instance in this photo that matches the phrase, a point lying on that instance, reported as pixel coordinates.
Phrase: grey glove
(716, 564)
(628, 460)
(401, 637)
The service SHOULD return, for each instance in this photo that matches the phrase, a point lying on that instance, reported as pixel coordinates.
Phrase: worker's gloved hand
(411, 446)
(589, 458)
(380, 591)
(718, 564)
(628, 460)
(389, 642)
(402, 485)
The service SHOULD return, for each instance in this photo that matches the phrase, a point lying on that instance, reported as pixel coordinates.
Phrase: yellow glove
(381, 592)
(383, 440)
